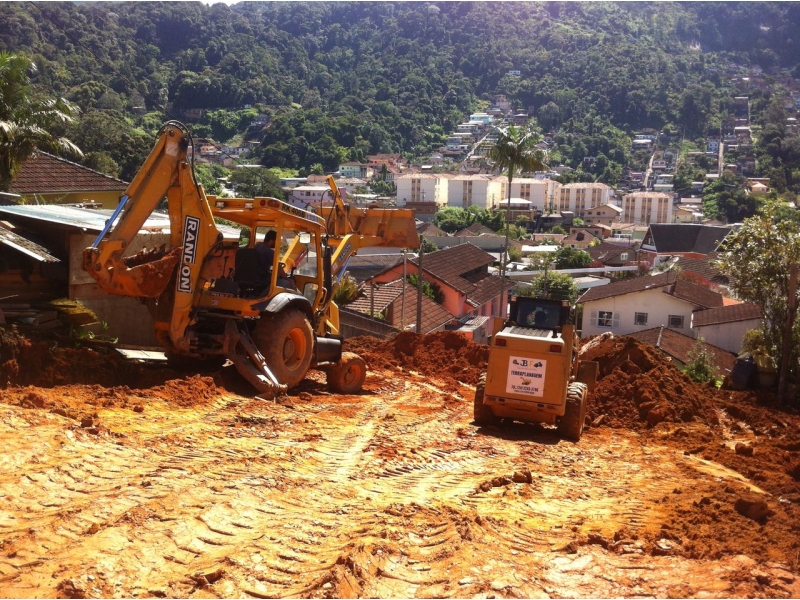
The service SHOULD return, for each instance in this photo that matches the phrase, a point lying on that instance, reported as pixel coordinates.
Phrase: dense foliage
(339, 80)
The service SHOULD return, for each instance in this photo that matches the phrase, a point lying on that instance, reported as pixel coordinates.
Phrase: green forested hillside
(344, 79)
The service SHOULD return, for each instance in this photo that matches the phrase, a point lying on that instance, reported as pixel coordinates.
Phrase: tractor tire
(482, 414)
(348, 375)
(570, 426)
(286, 341)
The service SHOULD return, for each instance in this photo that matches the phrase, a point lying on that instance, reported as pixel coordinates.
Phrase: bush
(701, 364)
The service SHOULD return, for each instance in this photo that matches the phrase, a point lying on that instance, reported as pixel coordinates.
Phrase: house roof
(430, 229)
(604, 251)
(686, 237)
(449, 265)
(627, 286)
(380, 299)
(745, 311)
(487, 288)
(579, 235)
(703, 267)
(389, 300)
(25, 246)
(678, 346)
(681, 289)
(44, 173)
(474, 229)
(696, 294)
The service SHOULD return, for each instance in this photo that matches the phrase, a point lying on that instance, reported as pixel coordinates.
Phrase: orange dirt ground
(122, 479)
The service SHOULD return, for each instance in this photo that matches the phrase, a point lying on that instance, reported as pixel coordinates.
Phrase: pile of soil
(46, 361)
(443, 354)
(639, 388)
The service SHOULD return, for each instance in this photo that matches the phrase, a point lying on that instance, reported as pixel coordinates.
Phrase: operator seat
(245, 272)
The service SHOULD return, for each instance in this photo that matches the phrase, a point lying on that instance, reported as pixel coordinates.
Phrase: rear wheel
(570, 426)
(348, 375)
(285, 340)
(482, 414)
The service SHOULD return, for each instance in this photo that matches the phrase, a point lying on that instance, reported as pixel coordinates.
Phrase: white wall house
(304, 196)
(725, 326)
(421, 187)
(633, 305)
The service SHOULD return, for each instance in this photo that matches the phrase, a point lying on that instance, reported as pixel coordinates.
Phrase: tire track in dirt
(378, 495)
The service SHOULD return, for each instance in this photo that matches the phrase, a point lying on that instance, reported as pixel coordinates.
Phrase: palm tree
(26, 118)
(515, 151)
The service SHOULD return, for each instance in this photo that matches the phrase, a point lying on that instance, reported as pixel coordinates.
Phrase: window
(623, 256)
(676, 321)
(605, 318)
(640, 318)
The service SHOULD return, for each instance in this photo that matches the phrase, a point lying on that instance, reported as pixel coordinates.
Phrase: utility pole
(419, 287)
(787, 338)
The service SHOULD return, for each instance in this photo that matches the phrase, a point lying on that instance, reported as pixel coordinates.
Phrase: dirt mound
(442, 354)
(640, 388)
(50, 362)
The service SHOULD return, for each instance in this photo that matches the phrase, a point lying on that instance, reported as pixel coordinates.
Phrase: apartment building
(422, 187)
(578, 198)
(647, 207)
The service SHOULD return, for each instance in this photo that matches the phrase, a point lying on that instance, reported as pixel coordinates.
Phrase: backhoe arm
(165, 172)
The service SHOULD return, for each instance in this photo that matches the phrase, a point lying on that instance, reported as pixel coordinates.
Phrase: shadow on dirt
(514, 431)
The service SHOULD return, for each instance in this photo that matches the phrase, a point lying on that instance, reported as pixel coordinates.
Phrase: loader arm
(352, 228)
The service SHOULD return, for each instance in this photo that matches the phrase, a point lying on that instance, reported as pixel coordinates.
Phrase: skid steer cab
(533, 373)
(264, 301)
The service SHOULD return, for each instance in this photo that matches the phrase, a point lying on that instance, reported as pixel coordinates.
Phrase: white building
(580, 197)
(642, 303)
(473, 190)
(422, 187)
(647, 207)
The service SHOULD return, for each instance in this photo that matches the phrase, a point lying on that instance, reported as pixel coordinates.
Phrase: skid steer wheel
(482, 414)
(285, 340)
(348, 375)
(570, 426)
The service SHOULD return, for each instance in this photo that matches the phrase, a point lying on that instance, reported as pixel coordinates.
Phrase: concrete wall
(127, 318)
(727, 335)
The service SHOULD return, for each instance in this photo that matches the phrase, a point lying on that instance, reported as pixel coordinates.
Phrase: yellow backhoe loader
(213, 299)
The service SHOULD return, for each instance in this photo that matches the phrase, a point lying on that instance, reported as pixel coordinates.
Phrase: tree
(515, 151)
(701, 364)
(571, 258)
(431, 290)
(252, 181)
(26, 119)
(758, 257)
(556, 286)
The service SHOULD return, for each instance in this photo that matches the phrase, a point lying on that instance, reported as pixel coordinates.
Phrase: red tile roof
(390, 303)
(726, 314)
(627, 286)
(681, 289)
(678, 346)
(696, 294)
(452, 264)
(45, 173)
